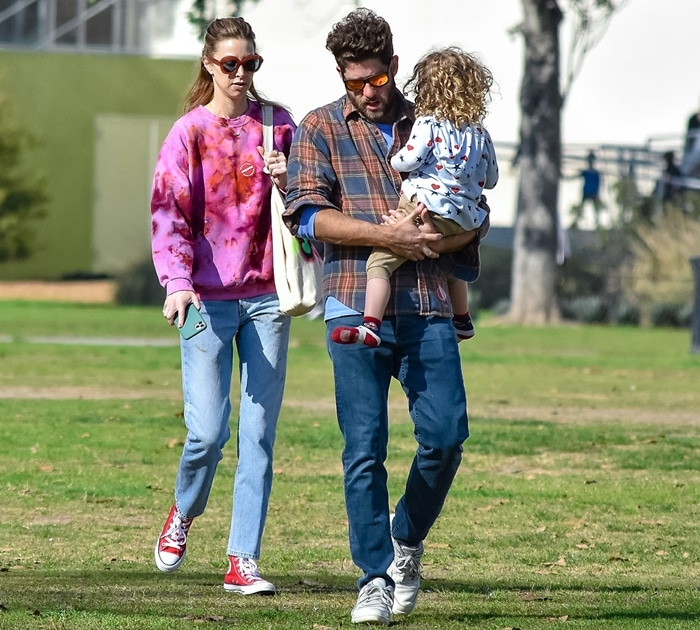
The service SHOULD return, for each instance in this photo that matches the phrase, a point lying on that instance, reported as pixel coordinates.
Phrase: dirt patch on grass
(81, 291)
(587, 414)
(397, 407)
(26, 392)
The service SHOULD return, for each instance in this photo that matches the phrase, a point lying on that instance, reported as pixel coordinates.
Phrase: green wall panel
(58, 99)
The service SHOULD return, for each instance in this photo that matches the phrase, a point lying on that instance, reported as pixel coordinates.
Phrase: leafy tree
(542, 98)
(204, 11)
(22, 197)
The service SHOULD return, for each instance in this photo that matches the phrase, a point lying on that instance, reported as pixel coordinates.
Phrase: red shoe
(172, 542)
(243, 577)
(464, 327)
(356, 334)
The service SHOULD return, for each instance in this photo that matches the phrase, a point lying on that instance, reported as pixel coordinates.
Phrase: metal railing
(81, 25)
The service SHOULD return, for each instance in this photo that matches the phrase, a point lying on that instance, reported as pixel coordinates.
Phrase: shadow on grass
(149, 593)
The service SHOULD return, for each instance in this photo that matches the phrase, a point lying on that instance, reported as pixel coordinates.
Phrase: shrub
(669, 315)
(494, 280)
(22, 190)
(591, 309)
(686, 313)
(627, 315)
(661, 276)
(139, 285)
(501, 307)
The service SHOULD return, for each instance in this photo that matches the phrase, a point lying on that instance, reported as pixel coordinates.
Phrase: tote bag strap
(267, 128)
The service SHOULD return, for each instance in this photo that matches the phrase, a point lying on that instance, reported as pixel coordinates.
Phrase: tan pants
(382, 262)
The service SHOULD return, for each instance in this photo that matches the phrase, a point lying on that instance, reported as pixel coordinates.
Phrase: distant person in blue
(591, 190)
(591, 181)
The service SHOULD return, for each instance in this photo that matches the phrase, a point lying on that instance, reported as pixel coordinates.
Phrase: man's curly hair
(359, 36)
(451, 84)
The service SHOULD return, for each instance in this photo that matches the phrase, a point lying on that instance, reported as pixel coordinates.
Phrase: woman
(212, 248)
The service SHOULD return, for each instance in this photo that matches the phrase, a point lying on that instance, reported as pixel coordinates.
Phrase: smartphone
(194, 324)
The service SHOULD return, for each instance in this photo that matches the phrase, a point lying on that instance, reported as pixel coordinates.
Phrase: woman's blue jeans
(421, 352)
(261, 335)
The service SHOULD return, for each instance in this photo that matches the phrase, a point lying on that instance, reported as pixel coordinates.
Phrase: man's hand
(413, 235)
(401, 234)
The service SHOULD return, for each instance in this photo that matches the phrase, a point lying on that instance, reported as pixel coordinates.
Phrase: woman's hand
(276, 166)
(176, 304)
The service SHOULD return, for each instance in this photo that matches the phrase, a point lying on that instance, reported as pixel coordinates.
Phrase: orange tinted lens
(379, 80)
(355, 85)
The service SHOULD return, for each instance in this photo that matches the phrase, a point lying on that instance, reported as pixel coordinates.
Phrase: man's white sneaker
(405, 571)
(374, 603)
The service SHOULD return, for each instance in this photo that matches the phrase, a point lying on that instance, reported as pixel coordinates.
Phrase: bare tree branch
(591, 20)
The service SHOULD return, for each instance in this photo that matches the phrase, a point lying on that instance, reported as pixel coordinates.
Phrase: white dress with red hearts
(449, 168)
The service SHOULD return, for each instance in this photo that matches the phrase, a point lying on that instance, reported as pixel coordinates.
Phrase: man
(340, 185)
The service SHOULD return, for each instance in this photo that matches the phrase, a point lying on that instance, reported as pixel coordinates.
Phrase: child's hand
(423, 221)
(421, 218)
(392, 217)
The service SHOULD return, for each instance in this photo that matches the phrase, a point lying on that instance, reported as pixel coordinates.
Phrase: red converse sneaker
(172, 542)
(356, 334)
(243, 577)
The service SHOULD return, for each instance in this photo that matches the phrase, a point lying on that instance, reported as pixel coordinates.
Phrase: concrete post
(695, 346)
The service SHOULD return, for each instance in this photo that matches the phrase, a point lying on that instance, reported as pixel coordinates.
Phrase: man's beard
(374, 115)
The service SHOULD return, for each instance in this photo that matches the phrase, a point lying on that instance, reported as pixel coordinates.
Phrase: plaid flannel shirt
(339, 160)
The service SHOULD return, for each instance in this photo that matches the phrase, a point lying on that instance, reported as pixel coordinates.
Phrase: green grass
(576, 505)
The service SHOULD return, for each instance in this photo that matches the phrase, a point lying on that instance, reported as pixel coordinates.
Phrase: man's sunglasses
(250, 63)
(357, 85)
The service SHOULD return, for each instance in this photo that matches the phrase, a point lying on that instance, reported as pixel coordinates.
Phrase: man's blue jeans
(421, 352)
(261, 335)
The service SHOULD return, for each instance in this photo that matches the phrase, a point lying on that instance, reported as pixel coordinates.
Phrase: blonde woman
(450, 159)
(212, 248)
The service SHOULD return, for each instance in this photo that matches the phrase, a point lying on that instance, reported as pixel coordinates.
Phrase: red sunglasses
(250, 63)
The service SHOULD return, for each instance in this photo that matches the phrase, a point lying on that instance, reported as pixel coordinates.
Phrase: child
(451, 159)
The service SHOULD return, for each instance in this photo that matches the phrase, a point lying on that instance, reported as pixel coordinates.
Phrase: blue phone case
(194, 324)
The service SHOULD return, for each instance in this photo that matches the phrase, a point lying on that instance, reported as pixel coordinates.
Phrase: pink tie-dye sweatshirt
(210, 205)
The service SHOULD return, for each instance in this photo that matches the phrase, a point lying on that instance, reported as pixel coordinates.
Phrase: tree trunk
(533, 287)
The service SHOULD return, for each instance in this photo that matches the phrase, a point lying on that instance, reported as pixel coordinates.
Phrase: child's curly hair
(451, 84)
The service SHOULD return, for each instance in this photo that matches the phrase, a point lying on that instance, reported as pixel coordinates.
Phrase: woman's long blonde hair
(202, 90)
(451, 84)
